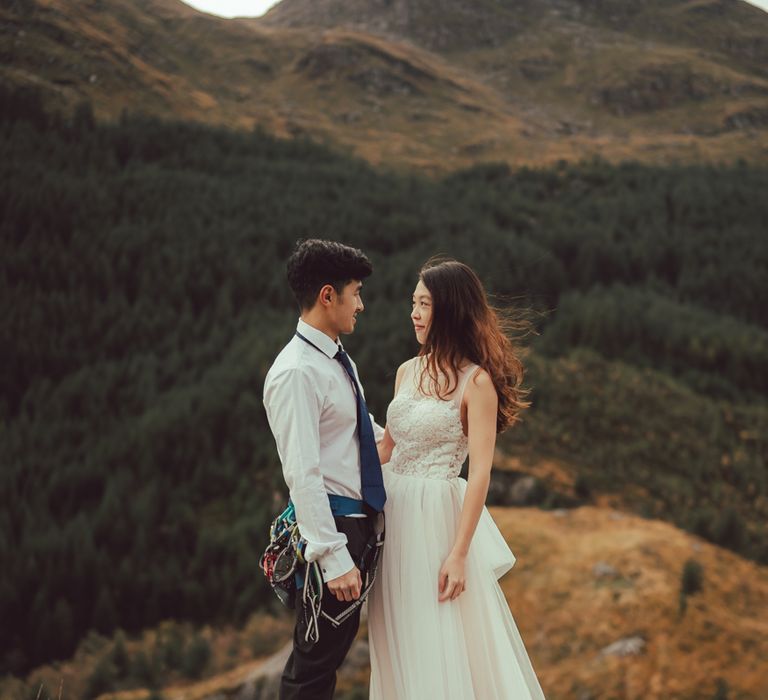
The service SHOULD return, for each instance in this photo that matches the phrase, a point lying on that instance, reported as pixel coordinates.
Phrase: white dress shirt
(312, 411)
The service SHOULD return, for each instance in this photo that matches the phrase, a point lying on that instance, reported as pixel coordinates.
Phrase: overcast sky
(237, 8)
(254, 8)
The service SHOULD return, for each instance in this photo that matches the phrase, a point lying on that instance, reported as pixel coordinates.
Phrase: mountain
(597, 67)
(437, 25)
(434, 85)
(731, 28)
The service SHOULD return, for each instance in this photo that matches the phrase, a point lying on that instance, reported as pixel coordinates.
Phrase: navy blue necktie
(370, 466)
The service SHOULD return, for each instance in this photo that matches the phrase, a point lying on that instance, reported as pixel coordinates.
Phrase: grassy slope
(661, 463)
(563, 89)
(567, 614)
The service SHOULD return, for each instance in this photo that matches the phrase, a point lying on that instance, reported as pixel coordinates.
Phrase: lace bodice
(427, 431)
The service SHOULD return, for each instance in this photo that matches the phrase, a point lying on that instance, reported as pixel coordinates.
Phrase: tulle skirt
(467, 649)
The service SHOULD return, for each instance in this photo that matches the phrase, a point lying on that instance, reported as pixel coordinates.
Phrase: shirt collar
(318, 338)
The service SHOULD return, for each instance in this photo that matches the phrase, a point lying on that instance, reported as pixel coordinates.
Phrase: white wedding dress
(467, 649)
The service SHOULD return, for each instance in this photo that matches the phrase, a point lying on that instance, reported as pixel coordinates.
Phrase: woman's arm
(387, 444)
(482, 406)
(385, 447)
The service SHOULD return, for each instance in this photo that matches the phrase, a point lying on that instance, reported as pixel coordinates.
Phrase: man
(326, 442)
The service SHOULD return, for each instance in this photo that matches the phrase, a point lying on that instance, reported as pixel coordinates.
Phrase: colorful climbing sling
(289, 573)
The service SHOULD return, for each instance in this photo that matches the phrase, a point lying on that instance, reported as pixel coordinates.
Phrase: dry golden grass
(227, 683)
(567, 613)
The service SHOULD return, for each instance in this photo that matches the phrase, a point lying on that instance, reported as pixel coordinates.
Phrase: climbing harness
(288, 572)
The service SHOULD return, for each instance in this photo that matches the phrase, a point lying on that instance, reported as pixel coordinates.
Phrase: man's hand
(348, 586)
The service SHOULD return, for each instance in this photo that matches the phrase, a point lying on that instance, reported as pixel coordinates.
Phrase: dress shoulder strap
(408, 382)
(466, 374)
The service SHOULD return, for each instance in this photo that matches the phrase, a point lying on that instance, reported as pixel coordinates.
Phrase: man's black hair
(315, 263)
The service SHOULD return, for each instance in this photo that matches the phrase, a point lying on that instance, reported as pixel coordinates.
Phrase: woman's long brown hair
(465, 326)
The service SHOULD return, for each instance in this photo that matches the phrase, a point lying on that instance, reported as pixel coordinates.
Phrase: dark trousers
(310, 673)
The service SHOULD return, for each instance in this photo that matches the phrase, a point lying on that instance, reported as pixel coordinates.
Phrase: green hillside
(142, 279)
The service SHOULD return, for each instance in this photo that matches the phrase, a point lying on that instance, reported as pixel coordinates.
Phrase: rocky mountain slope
(436, 85)
(596, 594)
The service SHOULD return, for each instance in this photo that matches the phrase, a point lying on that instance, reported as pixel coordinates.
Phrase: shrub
(583, 487)
(120, 658)
(142, 671)
(721, 692)
(102, 678)
(690, 583)
(170, 645)
(196, 657)
(692, 578)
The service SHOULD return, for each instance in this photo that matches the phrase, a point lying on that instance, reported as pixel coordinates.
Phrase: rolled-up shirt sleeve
(294, 407)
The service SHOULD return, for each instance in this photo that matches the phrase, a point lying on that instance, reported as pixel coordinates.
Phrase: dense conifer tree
(142, 280)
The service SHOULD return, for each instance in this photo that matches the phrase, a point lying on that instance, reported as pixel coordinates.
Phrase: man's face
(346, 306)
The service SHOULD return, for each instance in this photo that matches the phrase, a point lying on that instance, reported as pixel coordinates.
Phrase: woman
(438, 622)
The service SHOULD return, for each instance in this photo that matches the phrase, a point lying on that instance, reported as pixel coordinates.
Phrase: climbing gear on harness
(288, 571)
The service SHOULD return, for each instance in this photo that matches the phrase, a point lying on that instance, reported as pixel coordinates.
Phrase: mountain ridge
(462, 26)
(544, 85)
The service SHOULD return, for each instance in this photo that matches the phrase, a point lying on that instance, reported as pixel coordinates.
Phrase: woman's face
(421, 313)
